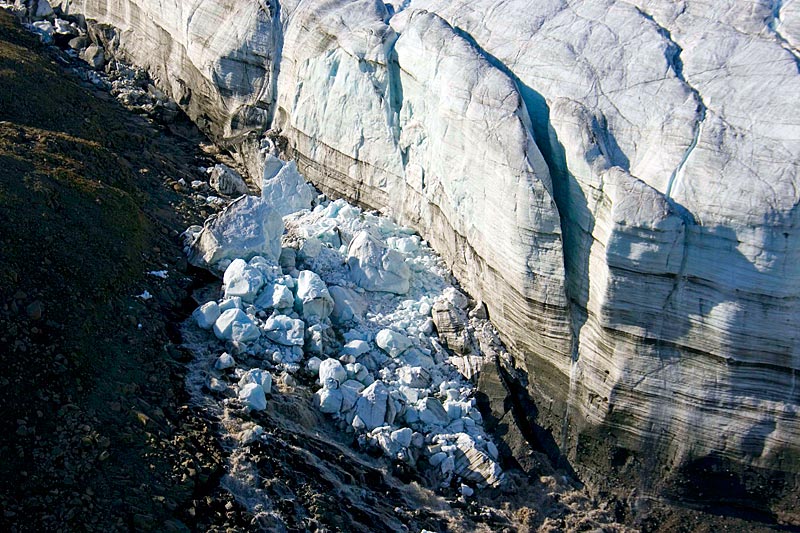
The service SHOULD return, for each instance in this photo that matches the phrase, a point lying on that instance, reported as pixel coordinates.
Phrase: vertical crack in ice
(276, 61)
(674, 59)
(774, 26)
(394, 96)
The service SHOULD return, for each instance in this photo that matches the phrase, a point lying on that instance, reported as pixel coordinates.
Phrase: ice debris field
(321, 291)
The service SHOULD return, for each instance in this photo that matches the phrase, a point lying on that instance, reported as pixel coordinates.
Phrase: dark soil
(93, 431)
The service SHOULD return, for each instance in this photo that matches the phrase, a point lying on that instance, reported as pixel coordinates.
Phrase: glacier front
(615, 179)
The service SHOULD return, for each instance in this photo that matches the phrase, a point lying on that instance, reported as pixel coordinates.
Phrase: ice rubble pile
(349, 299)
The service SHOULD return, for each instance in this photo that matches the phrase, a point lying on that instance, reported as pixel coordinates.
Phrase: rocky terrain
(634, 257)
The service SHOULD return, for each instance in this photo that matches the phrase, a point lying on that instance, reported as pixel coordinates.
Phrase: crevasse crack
(675, 61)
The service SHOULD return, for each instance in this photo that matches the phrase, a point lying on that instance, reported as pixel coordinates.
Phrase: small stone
(35, 310)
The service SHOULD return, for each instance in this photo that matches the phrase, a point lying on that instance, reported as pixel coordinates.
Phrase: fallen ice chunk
(286, 190)
(251, 435)
(351, 391)
(451, 323)
(235, 321)
(330, 400)
(285, 330)
(374, 267)
(355, 348)
(347, 304)
(415, 357)
(253, 395)
(242, 280)
(313, 365)
(230, 303)
(272, 165)
(437, 458)
(224, 362)
(276, 295)
(406, 245)
(474, 465)
(268, 267)
(246, 228)
(314, 295)
(217, 385)
(455, 297)
(414, 376)
(402, 437)
(332, 369)
(44, 29)
(227, 181)
(432, 412)
(258, 376)
(206, 315)
(310, 248)
(371, 407)
(392, 342)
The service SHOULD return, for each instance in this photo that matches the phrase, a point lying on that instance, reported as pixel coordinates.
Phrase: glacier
(615, 179)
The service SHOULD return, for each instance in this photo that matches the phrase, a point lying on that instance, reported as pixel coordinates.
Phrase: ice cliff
(616, 180)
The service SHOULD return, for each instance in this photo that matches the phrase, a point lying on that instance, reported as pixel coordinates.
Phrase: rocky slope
(615, 179)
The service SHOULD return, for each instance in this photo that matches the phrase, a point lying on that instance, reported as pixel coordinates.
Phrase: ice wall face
(681, 258)
(218, 59)
(617, 180)
(421, 125)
